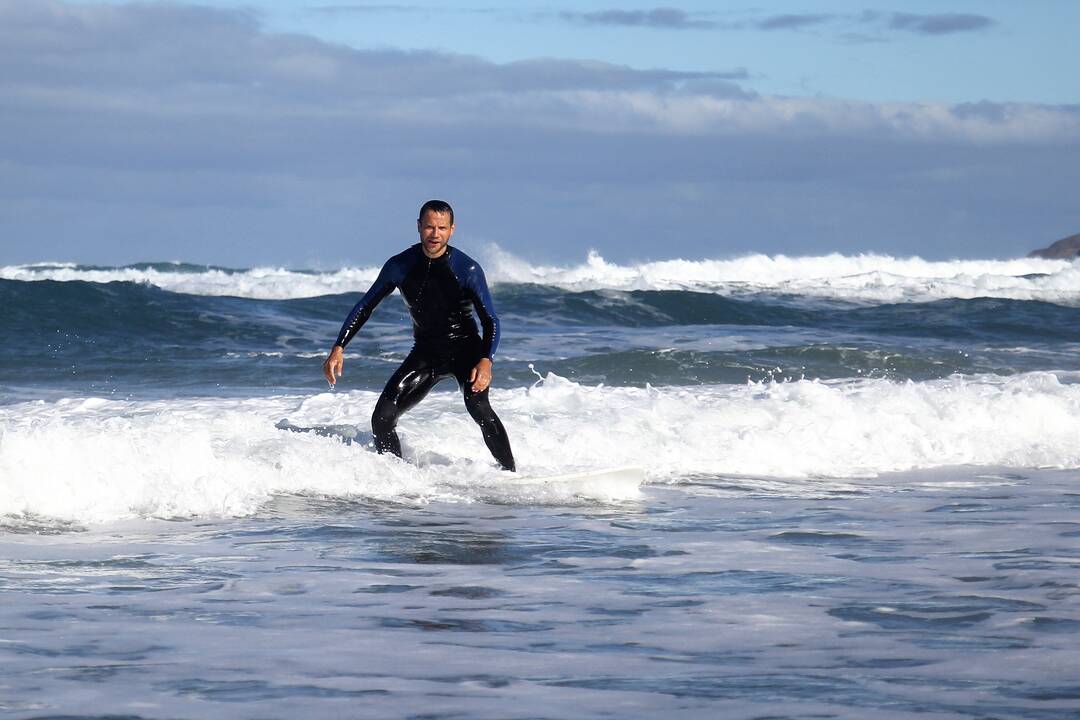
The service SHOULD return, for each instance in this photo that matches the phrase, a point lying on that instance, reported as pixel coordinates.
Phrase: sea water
(861, 496)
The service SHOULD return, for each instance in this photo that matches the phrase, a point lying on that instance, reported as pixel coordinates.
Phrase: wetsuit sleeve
(382, 287)
(476, 285)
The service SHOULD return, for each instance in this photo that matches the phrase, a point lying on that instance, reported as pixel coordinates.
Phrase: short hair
(436, 206)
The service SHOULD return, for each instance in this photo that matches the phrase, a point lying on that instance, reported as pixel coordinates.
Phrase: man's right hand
(334, 365)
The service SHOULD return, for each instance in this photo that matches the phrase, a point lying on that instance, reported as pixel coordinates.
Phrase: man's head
(439, 206)
(435, 225)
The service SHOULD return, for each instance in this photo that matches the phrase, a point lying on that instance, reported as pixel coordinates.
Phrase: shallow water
(951, 593)
(861, 496)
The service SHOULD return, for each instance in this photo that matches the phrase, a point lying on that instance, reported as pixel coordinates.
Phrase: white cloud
(150, 61)
(198, 99)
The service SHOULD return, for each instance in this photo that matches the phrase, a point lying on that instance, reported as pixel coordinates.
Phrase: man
(441, 285)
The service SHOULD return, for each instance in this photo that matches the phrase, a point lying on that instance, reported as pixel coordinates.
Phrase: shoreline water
(862, 478)
(947, 593)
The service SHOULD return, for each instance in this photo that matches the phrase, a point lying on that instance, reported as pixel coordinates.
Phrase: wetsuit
(440, 294)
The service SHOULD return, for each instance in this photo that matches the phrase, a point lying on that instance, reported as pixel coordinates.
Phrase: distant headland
(1065, 248)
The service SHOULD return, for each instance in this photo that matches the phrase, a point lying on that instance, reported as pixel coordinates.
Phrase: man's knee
(475, 399)
(384, 417)
(478, 406)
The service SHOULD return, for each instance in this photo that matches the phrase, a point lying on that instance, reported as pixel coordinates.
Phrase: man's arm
(334, 365)
(476, 285)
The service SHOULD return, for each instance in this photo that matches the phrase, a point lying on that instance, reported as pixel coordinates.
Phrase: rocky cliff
(1066, 248)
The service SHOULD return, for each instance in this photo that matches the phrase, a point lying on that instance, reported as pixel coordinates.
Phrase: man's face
(435, 231)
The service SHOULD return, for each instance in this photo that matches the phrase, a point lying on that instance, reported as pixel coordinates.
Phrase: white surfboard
(605, 483)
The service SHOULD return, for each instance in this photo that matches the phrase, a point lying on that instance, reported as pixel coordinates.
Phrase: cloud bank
(668, 18)
(665, 17)
(792, 22)
(940, 24)
(137, 132)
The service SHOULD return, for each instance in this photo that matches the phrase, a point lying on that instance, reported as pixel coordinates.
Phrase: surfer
(441, 286)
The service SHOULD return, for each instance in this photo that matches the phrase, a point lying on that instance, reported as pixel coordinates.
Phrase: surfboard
(616, 482)
(612, 482)
(348, 434)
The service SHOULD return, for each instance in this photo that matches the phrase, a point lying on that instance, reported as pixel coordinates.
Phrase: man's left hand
(481, 375)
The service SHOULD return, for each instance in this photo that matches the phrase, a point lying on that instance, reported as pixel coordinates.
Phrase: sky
(306, 134)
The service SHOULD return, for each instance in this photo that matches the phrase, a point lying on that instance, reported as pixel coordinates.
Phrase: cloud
(668, 18)
(143, 64)
(792, 22)
(664, 18)
(358, 9)
(191, 132)
(174, 63)
(347, 9)
(939, 24)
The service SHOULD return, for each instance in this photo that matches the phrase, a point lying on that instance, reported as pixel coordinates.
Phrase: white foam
(810, 429)
(263, 283)
(863, 278)
(869, 277)
(98, 460)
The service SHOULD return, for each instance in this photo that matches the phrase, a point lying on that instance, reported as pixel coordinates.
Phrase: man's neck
(443, 253)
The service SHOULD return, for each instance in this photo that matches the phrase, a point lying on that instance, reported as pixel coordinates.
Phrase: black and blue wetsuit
(441, 294)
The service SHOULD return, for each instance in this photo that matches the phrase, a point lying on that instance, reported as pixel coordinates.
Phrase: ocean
(861, 495)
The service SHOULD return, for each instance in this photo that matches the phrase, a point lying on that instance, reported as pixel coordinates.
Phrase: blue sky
(998, 50)
(306, 133)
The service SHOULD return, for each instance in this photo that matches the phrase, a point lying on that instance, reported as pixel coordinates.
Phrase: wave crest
(867, 278)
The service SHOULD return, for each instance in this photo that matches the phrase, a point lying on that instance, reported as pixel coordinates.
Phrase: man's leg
(479, 408)
(494, 433)
(409, 384)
